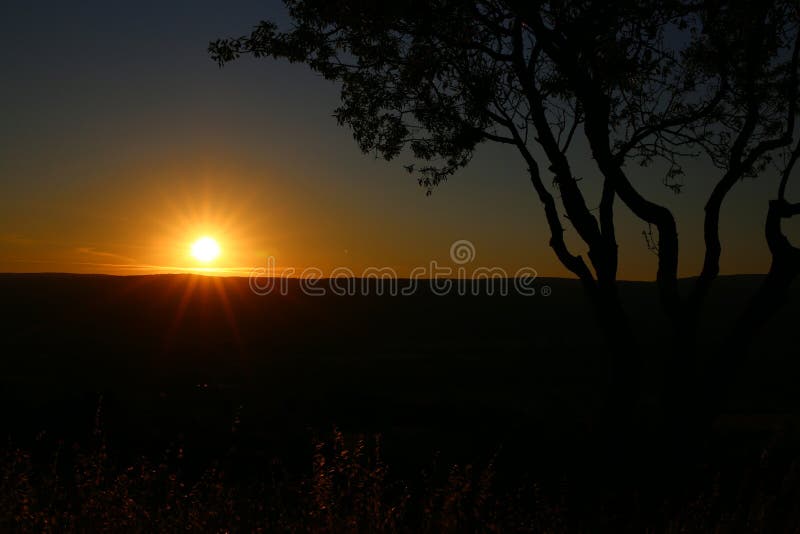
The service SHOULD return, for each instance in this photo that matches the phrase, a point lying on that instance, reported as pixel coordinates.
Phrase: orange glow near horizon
(151, 227)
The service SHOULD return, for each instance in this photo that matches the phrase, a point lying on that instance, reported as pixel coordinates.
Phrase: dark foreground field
(165, 402)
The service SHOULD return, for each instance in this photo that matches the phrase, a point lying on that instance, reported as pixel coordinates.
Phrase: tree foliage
(640, 80)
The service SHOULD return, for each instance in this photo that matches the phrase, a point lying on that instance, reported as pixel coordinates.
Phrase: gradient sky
(121, 142)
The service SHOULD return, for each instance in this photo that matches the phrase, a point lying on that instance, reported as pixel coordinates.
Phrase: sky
(122, 142)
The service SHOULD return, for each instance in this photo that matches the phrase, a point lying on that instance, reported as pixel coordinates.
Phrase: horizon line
(233, 275)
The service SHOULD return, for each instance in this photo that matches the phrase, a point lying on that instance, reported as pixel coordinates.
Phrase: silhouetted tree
(641, 80)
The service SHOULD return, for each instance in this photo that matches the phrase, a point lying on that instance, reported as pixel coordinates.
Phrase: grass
(347, 487)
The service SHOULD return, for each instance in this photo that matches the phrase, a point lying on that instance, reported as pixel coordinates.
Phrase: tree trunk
(769, 298)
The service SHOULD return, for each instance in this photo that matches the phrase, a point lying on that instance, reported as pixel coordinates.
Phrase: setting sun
(205, 249)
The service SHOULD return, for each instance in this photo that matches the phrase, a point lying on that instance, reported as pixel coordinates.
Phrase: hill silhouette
(200, 371)
(187, 353)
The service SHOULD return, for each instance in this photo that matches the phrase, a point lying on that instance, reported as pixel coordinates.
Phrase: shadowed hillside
(204, 367)
(163, 347)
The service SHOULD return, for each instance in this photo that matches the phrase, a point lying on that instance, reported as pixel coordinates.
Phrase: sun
(205, 249)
